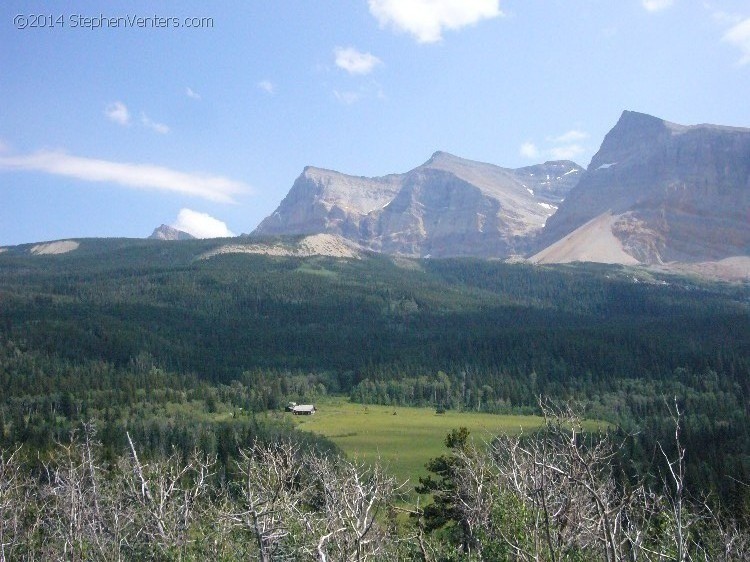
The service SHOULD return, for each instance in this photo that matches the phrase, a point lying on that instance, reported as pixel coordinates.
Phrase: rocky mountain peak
(634, 135)
(166, 232)
(673, 192)
(440, 157)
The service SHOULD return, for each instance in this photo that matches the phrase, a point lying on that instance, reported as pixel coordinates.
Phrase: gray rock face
(680, 193)
(331, 202)
(166, 232)
(449, 206)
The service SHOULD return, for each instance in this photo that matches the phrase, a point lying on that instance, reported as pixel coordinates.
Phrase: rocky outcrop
(166, 232)
(327, 201)
(678, 193)
(448, 206)
(329, 245)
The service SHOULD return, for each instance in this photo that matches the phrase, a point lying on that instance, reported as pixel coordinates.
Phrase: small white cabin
(303, 409)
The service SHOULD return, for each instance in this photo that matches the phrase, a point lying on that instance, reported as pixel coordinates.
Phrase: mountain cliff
(448, 206)
(657, 192)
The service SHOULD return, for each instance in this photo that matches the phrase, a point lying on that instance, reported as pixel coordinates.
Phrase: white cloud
(739, 36)
(656, 5)
(426, 19)
(118, 112)
(139, 176)
(189, 92)
(529, 150)
(566, 152)
(201, 225)
(569, 137)
(160, 128)
(267, 86)
(355, 62)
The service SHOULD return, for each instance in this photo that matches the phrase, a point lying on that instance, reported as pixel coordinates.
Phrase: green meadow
(402, 439)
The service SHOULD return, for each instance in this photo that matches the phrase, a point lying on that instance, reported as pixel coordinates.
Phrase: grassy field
(404, 439)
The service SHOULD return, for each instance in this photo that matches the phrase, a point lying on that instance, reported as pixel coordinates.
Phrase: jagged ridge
(448, 206)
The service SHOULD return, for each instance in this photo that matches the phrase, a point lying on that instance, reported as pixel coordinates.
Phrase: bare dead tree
(12, 491)
(697, 531)
(550, 495)
(567, 485)
(732, 540)
(273, 491)
(674, 487)
(167, 497)
(81, 503)
(353, 496)
(426, 552)
(300, 504)
(75, 520)
(474, 495)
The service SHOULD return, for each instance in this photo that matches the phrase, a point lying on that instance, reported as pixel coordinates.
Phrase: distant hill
(221, 306)
(449, 206)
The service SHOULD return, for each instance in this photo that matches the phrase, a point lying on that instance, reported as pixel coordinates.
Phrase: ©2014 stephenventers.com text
(101, 21)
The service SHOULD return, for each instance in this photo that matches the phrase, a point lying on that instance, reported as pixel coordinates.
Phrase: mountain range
(448, 206)
(656, 193)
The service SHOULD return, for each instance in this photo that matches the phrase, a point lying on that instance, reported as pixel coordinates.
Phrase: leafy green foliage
(442, 488)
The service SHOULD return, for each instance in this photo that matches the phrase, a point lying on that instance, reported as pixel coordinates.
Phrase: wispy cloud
(656, 5)
(426, 19)
(354, 61)
(347, 97)
(739, 36)
(138, 176)
(189, 92)
(118, 112)
(722, 17)
(201, 225)
(160, 128)
(571, 136)
(567, 152)
(567, 146)
(267, 86)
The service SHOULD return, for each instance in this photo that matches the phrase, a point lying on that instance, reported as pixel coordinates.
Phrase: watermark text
(101, 21)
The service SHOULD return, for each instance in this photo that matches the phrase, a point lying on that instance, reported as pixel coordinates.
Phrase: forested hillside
(117, 327)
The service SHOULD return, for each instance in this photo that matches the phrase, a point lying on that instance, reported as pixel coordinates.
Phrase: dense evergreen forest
(181, 352)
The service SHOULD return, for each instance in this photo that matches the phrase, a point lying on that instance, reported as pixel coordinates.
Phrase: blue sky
(115, 117)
